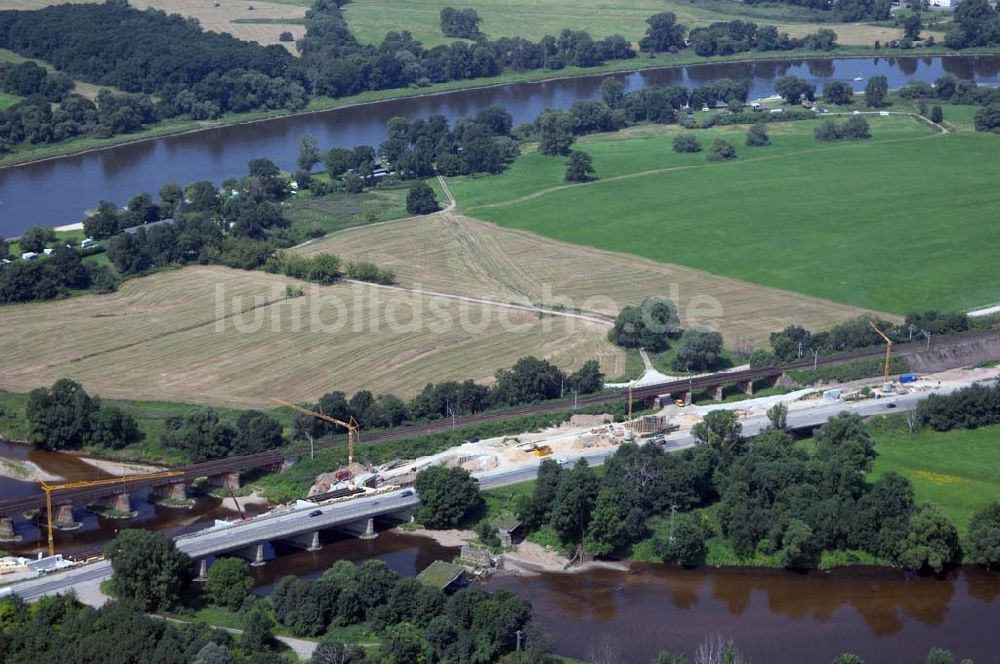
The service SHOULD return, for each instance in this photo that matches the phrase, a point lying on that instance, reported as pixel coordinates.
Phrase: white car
(562, 461)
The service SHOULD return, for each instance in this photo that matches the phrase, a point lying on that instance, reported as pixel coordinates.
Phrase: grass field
(959, 471)
(900, 222)
(173, 337)
(370, 20)
(455, 254)
(222, 18)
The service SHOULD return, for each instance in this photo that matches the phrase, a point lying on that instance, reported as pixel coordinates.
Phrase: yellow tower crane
(351, 425)
(124, 480)
(888, 351)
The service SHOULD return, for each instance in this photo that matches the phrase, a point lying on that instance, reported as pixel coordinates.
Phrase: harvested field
(219, 19)
(456, 254)
(172, 337)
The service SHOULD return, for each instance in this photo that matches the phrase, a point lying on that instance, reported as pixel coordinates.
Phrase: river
(774, 616)
(58, 191)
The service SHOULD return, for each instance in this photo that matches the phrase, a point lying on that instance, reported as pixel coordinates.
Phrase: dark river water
(58, 191)
(774, 616)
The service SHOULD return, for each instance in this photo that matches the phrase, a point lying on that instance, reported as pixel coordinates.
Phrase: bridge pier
(747, 388)
(226, 480)
(63, 517)
(175, 491)
(305, 541)
(364, 529)
(687, 398)
(254, 554)
(119, 502)
(717, 392)
(7, 532)
(202, 571)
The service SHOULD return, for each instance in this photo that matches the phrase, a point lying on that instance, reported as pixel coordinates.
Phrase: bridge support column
(122, 503)
(305, 541)
(717, 392)
(177, 491)
(7, 532)
(254, 554)
(687, 398)
(747, 388)
(363, 529)
(63, 516)
(226, 480)
(202, 571)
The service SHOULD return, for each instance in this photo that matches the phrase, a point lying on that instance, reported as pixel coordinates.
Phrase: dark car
(315, 513)
(406, 494)
(890, 405)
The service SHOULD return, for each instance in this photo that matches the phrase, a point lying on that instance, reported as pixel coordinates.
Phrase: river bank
(84, 145)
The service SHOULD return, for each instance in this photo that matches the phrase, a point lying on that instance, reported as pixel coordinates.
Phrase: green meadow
(959, 471)
(905, 220)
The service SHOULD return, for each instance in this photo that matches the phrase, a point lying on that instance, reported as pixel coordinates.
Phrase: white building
(946, 4)
(29, 256)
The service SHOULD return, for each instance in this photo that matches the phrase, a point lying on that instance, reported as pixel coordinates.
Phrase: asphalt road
(297, 521)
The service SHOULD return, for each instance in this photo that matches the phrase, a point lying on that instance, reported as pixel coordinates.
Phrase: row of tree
(65, 417)
(796, 342)
(655, 325)
(50, 276)
(773, 499)
(529, 380)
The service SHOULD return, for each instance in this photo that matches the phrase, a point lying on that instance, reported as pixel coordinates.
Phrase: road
(293, 522)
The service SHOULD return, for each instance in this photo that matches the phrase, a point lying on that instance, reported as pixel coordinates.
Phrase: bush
(937, 115)
(987, 119)
(828, 131)
(757, 136)
(856, 128)
(686, 143)
(721, 151)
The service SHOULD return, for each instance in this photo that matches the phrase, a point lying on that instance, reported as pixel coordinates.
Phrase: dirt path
(735, 162)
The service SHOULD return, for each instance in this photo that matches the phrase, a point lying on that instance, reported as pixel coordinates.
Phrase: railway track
(234, 464)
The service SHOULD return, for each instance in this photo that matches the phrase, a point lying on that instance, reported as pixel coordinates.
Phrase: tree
(229, 582)
(800, 549)
(257, 432)
(36, 238)
(420, 199)
(651, 325)
(213, 653)
(286, 36)
(792, 89)
(555, 132)
(574, 502)
(337, 653)
(778, 416)
(937, 115)
(721, 150)
(580, 167)
(258, 631)
(613, 92)
(59, 417)
(663, 33)
(460, 23)
(828, 131)
(848, 658)
(720, 429)
(875, 91)
(838, 92)
(536, 511)
(987, 119)
(404, 644)
(984, 536)
(912, 25)
(104, 222)
(607, 530)
(587, 378)
(686, 143)
(112, 427)
(931, 542)
(698, 350)
(263, 168)
(685, 544)
(856, 128)
(308, 153)
(4, 248)
(337, 162)
(447, 495)
(148, 568)
(757, 136)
